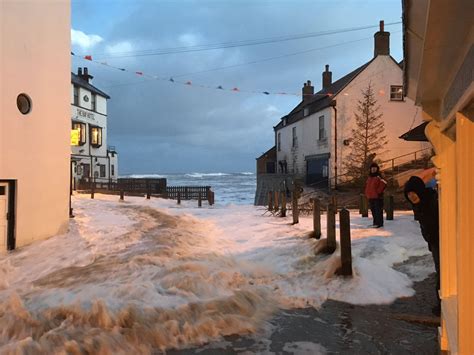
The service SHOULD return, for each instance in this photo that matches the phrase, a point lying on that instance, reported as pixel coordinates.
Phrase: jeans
(376, 207)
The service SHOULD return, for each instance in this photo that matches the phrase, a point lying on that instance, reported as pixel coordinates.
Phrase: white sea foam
(143, 176)
(202, 175)
(148, 274)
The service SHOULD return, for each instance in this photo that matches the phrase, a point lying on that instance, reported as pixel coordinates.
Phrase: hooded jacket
(375, 185)
(426, 210)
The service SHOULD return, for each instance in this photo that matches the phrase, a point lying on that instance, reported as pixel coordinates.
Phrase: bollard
(148, 194)
(283, 203)
(345, 242)
(389, 207)
(122, 195)
(199, 200)
(179, 197)
(331, 226)
(270, 201)
(316, 218)
(364, 206)
(212, 197)
(294, 199)
(276, 204)
(92, 190)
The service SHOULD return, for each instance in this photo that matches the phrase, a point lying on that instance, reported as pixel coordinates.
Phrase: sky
(162, 127)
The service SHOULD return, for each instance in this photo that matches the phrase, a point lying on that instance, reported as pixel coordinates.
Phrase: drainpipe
(333, 105)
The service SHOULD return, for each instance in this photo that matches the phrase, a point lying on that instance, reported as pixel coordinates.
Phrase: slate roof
(322, 98)
(75, 79)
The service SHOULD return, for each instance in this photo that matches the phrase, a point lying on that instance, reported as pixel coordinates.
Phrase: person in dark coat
(424, 201)
(374, 188)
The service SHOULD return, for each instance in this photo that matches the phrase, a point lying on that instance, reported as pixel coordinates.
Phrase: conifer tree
(368, 136)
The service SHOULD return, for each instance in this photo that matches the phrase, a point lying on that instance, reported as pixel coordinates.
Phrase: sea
(229, 188)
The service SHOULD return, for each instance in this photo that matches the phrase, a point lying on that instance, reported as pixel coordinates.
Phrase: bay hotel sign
(84, 115)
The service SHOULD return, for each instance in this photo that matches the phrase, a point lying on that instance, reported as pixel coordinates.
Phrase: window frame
(112, 170)
(93, 102)
(76, 95)
(279, 141)
(91, 135)
(102, 171)
(305, 111)
(82, 131)
(294, 142)
(396, 93)
(322, 130)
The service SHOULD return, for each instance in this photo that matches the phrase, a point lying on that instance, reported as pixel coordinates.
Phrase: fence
(188, 192)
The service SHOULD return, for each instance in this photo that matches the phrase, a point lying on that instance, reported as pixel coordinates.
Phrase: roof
(272, 151)
(416, 134)
(77, 80)
(322, 98)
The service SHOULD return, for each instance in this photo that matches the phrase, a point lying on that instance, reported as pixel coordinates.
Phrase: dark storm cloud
(159, 126)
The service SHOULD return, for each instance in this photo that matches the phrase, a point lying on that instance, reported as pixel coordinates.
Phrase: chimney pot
(79, 71)
(381, 41)
(86, 71)
(308, 90)
(327, 78)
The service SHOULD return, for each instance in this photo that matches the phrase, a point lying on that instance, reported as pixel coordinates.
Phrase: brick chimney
(308, 90)
(84, 75)
(381, 41)
(327, 78)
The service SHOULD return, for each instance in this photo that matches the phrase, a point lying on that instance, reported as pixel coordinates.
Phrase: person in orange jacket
(374, 188)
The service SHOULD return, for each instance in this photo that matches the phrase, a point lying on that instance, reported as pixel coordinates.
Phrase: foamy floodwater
(143, 275)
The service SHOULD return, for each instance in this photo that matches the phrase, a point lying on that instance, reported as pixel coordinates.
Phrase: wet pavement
(342, 328)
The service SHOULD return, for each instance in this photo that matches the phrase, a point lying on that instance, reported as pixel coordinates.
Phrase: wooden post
(389, 207)
(345, 242)
(294, 199)
(283, 203)
(122, 194)
(316, 218)
(276, 201)
(199, 200)
(179, 197)
(148, 194)
(365, 206)
(208, 193)
(270, 200)
(92, 190)
(331, 226)
(212, 197)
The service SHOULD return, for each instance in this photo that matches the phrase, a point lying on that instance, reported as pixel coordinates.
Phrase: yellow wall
(34, 148)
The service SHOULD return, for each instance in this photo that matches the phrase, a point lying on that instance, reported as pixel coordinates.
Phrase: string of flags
(186, 82)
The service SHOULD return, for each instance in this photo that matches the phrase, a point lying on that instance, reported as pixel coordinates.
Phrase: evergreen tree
(368, 137)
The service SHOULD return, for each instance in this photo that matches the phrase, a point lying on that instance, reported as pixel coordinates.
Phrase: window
(81, 127)
(294, 143)
(279, 141)
(76, 95)
(322, 130)
(96, 136)
(112, 168)
(93, 102)
(102, 170)
(396, 93)
(306, 111)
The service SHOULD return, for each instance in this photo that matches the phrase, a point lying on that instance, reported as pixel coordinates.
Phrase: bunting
(140, 73)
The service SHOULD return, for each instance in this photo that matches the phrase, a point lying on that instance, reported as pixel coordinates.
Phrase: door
(3, 215)
(317, 172)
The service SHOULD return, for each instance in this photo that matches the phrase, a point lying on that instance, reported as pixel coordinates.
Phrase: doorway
(7, 214)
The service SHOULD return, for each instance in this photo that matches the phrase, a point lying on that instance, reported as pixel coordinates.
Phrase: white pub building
(91, 158)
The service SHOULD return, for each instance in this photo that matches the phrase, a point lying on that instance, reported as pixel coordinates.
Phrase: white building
(315, 137)
(34, 129)
(92, 159)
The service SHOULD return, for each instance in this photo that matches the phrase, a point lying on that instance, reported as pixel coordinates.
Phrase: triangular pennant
(88, 57)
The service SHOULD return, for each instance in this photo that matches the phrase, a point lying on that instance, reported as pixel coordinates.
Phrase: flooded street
(146, 276)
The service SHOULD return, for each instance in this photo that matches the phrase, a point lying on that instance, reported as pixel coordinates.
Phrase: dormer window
(284, 122)
(306, 111)
(96, 136)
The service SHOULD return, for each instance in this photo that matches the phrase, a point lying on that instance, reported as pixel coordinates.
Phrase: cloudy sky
(161, 127)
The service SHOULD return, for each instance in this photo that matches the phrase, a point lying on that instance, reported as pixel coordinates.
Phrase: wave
(247, 173)
(142, 176)
(200, 175)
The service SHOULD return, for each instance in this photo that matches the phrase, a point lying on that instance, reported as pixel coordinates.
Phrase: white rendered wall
(35, 148)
